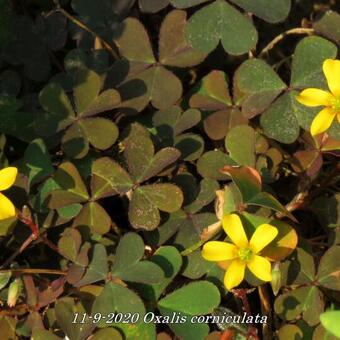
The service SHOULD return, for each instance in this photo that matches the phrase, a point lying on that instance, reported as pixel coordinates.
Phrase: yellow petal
(233, 227)
(235, 274)
(261, 268)
(331, 69)
(7, 208)
(219, 251)
(322, 121)
(338, 117)
(7, 177)
(262, 236)
(315, 97)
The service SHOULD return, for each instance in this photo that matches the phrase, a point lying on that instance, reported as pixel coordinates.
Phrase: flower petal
(262, 236)
(235, 274)
(322, 121)
(315, 97)
(219, 251)
(233, 227)
(261, 268)
(331, 69)
(338, 117)
(7, 208)
(7, 177)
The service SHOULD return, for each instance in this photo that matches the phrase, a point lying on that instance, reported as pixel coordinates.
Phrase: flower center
(245, 254)
(336, 104)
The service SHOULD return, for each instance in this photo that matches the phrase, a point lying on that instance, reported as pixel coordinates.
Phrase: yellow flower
(242, 253)
(7, 179)
(330, 100)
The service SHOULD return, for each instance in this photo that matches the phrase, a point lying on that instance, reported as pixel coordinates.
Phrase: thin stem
(26, 243)
(298, 30)
(87, 29)
(266, 310)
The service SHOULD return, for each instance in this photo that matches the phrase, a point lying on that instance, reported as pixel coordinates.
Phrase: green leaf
(169, 259)
(38, 161)
(240, 142)
(185, 300)
(247, 180)
(54, 100)
(142, 213)
(152, 6)
(15, 123)
(146, 200)
(279, 120)
(219, 123)
(69, 243)
(171, 122)
(143, 272)
(106, 101)
(158, 195)
(107, 333)
(73, 189)
(307, 301)
(190, 145)
(266, 200)
(108, 132)
(129, 251)
(289, 331)
(87, 87)
(328, 272)
(256, 85)
(173, 48)
(64, 311)
(206, 194)
(221, 22)
(69, 211)
(309, 56)
(139, 153)
(115, 298)
(329, 26)
(112, 173)
(75, 142)
(272, 11)
(4, 279)
(134, 43)
(98, 267)
(186, 3)
(94, 217)
(210, 164)
(330, 320)
(212, 92)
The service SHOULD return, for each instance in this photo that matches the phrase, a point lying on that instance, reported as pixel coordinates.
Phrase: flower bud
(14, 291)
(276, 278)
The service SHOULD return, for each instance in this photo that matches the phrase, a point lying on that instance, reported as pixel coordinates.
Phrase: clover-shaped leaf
(157, 84)
(171, 123)
(249, 183)
(80, 128)
(69, 190)
(272, 11)
(217, 22)
(143, 163)
(185, 301)
(127, 265)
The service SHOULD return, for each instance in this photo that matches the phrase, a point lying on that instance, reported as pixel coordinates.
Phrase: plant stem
(266, 310)
(86, 28)
(298, 30)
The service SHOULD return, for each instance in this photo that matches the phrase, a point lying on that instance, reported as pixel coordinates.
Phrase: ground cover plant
(169, 169)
